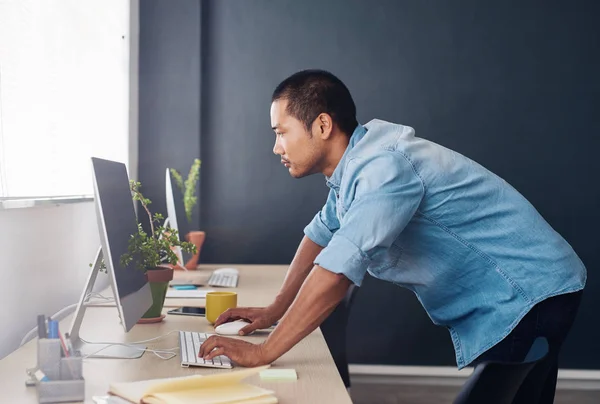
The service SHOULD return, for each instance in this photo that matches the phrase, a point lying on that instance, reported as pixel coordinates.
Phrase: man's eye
(279, 134)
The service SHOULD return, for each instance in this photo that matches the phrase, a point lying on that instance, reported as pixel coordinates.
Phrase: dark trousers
(334, 331)
(552, 319)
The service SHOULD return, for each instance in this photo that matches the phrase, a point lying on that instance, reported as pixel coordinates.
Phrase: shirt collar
(336, 178)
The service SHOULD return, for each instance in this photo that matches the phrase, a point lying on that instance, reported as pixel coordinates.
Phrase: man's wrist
(267, 356)
(277, 309)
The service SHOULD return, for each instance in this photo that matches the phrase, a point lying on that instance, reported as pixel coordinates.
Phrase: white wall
(44, 263)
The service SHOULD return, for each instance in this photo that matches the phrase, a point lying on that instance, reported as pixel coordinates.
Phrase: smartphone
(189, 311)
(185, 283)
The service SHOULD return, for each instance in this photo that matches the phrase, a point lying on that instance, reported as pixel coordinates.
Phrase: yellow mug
(217, 303)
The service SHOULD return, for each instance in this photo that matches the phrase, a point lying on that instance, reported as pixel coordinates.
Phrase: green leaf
(188, 189)
(178, 179)
(189, 198)
(148, 250)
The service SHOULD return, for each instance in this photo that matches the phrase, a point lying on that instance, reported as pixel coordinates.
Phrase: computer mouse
(226, 271)
(232, 328)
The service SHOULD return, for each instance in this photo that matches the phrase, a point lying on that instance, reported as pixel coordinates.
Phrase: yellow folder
(222, 388)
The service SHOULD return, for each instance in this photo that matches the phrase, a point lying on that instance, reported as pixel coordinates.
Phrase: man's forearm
(319, 295)
(299, 269)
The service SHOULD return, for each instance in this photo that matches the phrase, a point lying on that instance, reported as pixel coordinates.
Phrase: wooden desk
(318, 379)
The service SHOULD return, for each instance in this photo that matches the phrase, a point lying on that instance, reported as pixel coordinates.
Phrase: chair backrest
(498, 382)
(538, 350)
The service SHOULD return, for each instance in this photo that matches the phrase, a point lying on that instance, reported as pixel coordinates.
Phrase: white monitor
(116, 223)
(171, 220)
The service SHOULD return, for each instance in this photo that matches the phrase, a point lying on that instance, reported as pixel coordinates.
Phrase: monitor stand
(110, 351)
(102, 350)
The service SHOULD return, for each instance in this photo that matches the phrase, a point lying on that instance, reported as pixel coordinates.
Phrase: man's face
(300, 151)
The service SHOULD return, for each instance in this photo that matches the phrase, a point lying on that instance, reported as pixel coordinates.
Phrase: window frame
(133, 125)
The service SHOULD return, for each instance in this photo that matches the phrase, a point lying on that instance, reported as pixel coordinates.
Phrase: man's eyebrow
(275, 127)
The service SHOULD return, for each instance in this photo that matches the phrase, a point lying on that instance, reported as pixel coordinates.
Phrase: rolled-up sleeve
(387, 192)
(325, 223)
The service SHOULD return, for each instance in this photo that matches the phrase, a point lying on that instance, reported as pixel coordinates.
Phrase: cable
(131, 344)
(99, 296)
(157, 352)
(57, 316)
(62, 313)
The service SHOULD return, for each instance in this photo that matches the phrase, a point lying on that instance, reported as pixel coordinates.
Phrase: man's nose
(277, 149)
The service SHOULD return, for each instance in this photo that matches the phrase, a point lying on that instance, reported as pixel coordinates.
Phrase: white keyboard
(189, 346)
(224, 280)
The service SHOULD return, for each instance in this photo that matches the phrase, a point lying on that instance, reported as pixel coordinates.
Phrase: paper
(278, 374)
(109, 400)
(219, 388)
(187, 294)
(135, 391)
(236, 393)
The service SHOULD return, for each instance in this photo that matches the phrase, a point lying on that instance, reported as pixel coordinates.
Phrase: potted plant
(153, 253)
(188, 190)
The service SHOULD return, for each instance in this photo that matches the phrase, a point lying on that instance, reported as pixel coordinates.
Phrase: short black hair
(313, 92)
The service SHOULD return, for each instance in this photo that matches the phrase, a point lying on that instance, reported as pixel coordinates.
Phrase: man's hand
(322, 291)
(241, 352)
(259, 318)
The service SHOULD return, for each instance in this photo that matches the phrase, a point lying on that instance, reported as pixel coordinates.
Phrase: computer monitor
(171, 219)
(174, 205)
(116, 218)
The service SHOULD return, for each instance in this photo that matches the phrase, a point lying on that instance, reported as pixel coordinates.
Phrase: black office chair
(498, 382)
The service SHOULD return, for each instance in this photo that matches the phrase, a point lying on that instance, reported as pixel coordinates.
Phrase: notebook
(220, 388)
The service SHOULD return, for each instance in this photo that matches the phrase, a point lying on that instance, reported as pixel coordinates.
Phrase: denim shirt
(475, 252)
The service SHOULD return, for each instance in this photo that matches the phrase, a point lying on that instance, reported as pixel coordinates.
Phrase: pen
(52, 329)
(66, 342)
(41, 321)
(69, 344)
(63, 344)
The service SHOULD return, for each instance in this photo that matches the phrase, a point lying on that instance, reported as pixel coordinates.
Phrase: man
(481, 260)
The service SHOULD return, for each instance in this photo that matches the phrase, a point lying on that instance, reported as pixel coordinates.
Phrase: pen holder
(71, 368)
(65, 377)
(48, 357)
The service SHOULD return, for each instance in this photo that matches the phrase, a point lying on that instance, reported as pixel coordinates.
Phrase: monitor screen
(116, 223)
(176, 213)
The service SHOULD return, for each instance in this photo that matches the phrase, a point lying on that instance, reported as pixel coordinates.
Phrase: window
(64, 93)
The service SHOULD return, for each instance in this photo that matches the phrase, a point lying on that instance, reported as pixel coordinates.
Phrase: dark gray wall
(512, 85)
(169, 91)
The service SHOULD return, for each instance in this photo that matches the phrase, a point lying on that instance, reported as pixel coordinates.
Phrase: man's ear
(324, 126)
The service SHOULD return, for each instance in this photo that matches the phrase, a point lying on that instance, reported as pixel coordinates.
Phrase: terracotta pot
(197, 238)
(159, 279)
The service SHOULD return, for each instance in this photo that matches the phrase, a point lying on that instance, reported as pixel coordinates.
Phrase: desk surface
(318, 379)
